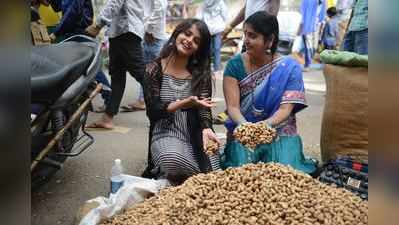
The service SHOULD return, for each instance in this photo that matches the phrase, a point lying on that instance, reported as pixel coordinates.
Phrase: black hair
(332, 11)
(267, 25)
(199, 64)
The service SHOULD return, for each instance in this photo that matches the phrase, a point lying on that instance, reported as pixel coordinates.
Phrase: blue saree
(261, 94)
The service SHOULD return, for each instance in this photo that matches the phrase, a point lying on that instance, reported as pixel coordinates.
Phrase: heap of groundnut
(252, 134)
(264, 194)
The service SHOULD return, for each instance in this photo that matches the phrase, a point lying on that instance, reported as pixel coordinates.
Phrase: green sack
(344, 58)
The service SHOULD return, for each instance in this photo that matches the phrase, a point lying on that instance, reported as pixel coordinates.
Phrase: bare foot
(138, 105)
(104, 123)
(100, 109)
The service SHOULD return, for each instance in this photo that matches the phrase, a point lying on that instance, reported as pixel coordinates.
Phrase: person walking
(214, 13)
(154, 38)
(344, 8)
(125, 50)
(356, 37)
(178, 90)
(252, 6)
(313, 12)
(331, 30)
(76, 16)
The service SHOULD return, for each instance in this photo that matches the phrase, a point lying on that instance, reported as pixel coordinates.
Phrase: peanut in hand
(253, 134)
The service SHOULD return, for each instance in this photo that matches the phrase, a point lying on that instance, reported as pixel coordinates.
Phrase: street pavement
(87, 176)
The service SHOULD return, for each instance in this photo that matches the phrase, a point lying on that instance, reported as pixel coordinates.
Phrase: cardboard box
(39, 33)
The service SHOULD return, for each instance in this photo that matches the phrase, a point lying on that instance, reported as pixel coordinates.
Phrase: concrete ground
(87, 176)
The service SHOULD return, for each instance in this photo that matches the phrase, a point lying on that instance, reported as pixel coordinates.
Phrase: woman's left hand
(207, 135)
(201, 103)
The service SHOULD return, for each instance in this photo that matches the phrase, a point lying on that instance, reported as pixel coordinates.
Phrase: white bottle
(116, 178)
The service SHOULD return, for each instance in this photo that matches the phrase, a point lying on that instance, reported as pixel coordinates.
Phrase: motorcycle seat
(55, 67)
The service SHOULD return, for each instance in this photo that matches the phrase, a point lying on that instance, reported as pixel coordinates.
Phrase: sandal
(128, 108)
(220, 118)
(100, 109)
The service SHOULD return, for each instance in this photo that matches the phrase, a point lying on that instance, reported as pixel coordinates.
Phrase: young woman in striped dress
(178, 90)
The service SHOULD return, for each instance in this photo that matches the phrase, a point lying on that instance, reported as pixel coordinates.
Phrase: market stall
(268, 193)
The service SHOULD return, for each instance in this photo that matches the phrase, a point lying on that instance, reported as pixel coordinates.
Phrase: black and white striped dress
(172, 151)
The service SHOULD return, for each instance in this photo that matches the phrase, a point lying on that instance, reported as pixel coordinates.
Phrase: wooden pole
(60, 133)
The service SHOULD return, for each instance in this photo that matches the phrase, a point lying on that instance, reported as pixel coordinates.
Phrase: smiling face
(188, 41)
(255, 42)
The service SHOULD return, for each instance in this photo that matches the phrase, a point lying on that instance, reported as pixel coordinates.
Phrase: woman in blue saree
(259, 85)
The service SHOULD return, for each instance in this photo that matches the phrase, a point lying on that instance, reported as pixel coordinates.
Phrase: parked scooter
(62, 87)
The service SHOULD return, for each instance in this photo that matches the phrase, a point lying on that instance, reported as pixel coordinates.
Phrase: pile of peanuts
(264, 194)
(252, 134)
(211, 148)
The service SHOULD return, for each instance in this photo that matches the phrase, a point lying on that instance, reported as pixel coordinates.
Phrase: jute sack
(344, 129)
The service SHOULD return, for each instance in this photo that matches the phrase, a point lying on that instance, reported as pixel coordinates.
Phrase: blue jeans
(356, 41)
(216, 45)
(152, 50)
(307, 52)
(106, 91)
(150, 53)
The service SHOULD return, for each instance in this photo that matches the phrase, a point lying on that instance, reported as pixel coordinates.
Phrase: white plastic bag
(134, 190)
